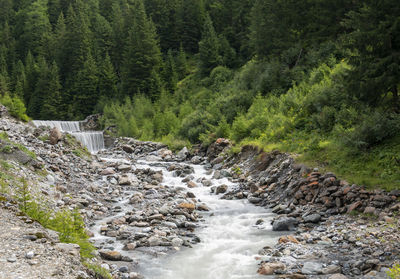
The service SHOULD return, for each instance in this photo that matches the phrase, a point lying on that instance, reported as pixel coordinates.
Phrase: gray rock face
(284, 224)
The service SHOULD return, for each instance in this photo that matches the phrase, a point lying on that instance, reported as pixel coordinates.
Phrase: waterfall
(92, 140)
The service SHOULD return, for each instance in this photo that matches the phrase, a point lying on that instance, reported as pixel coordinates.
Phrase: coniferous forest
(316, 78)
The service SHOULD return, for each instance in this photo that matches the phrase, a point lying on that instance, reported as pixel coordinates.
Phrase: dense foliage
(310, 77)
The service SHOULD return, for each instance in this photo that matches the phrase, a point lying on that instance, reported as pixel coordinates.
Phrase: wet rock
(154, 241)
(182, 154)
(313, 218)
(284, 224)
(254, 200)
(331, 269)
(177, 242)
(311, 268)
(338, 276)
(270, 268)
(110, 255)
(191, 184)
(189, 206)
(221, 189)
(127, 149)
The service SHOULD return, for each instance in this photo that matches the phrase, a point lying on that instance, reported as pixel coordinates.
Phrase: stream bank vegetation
(67, 223)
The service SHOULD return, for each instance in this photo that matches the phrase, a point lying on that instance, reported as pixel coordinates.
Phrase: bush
(15, 106)
(374, 127)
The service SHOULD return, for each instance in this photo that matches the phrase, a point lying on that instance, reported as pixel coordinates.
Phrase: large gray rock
(312, 218)
(310, 268)
(182, 154)
(284, 224)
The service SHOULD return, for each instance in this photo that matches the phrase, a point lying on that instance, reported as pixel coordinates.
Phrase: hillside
(317, 79)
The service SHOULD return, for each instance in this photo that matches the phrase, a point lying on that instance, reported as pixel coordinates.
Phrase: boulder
(110, 255)
(310, 268)
(55, 136)
(285, 224)
(270, 268)
(312, 218)
(221, 189)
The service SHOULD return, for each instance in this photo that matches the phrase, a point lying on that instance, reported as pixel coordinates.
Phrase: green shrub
(374, 127)
(394, 272)
(15, 106)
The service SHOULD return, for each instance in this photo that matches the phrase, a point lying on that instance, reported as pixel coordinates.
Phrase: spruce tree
(209, 48)
(52, 107)
(169, 73)
(84, 90)
(181, 63)
(142, 56)
(373, 37)
(107, 79)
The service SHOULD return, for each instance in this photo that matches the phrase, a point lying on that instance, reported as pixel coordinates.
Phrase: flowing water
(92, 140)
(230, 238)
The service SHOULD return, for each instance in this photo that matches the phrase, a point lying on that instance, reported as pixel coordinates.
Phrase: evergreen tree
(52, 107)
(107, 79)
(374, 38)
(31, 73)
(170, 75)
(142, 56)
(181, 63)
(36, 29)
(54, 10)
(39, 94)
(209, 48)
(78, 36)
(84, 89)
(117, 37)
(191, 15)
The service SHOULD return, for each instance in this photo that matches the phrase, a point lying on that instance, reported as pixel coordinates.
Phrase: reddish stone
(354, 206)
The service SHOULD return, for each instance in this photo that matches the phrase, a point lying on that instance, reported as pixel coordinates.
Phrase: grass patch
(44, 138)
(8, 147)
(76, 146)
(99, 271)
(377, 167)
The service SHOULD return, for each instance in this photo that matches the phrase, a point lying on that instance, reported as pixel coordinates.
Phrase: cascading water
(92, 140)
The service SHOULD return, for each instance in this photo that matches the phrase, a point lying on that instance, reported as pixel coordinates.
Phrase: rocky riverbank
(138, 203)
(339, 230)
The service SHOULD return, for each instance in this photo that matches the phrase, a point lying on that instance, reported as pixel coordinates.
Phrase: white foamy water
(64, 126)
(92, 140)
(229, 237)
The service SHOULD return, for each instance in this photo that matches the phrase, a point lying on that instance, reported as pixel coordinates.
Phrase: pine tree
(142, 56)
(209, 48)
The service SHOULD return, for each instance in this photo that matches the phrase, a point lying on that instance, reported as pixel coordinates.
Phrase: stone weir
(92, 140)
